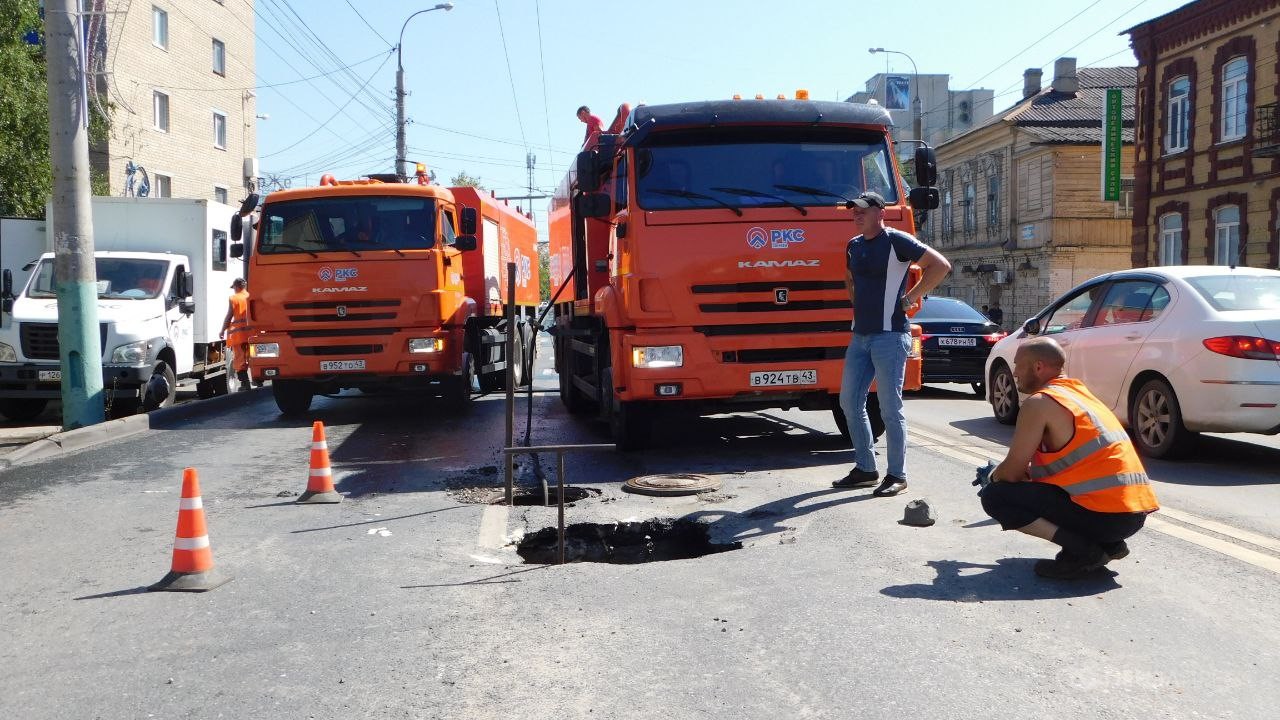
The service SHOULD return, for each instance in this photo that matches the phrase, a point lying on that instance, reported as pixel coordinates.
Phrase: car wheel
(1004, 395)
(161, 390)
(22, 409)
(1156, 420)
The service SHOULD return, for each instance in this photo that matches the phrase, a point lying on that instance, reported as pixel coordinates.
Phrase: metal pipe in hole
(560, 489)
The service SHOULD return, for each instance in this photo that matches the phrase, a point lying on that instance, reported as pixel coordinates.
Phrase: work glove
(982, 477)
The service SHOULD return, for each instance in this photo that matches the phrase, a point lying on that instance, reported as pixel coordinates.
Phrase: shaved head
(1046, 350)
(1036, 362)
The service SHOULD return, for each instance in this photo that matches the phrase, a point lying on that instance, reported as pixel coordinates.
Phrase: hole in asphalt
(534, 496)
(625, 543)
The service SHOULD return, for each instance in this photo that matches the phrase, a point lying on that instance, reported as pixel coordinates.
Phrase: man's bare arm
(1033, 419)
(848, 284)
(935, 267)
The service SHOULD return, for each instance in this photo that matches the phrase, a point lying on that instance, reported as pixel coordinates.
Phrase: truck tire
(873, 413)
(574, 400)
(630, 423)
(161, 390)
(22, 409)
(205, 389)
(457, 390)
(293, 397)
(519, 371)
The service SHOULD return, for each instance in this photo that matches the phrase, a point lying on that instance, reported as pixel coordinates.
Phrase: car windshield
(761, 167)
(940, 309)
(356, 223)
(1239, 292)
(118, 279)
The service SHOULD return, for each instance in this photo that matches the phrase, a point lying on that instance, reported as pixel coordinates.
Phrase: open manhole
(624, 543)
(534, 496)
(671, 484)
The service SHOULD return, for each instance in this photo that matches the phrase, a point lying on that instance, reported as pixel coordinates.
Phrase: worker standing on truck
(235, 329)
(595, 126)
(876, 274)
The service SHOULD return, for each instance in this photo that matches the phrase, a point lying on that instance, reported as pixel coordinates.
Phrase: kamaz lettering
(778, 263)
(349, 289)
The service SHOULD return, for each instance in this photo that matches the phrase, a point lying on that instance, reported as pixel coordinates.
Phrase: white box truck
(164, 276)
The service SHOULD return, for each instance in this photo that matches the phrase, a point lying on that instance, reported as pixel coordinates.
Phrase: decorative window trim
(1240, 200)
(1242, 46)
(1182, 209)
(1172, 71)
(1184, 110)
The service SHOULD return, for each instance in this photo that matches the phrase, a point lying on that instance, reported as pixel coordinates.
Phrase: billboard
(897, 92)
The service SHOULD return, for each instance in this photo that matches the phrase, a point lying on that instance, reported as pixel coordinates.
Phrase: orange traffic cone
(192, 569)
(320, 483)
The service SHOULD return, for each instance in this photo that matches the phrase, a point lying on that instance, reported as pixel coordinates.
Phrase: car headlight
(426, 345)
(132, 353)
(7, 354)
(264, 350)
(662, 356)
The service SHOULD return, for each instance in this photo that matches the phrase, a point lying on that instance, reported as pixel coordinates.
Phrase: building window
(1171, 239)
(1178, 115)
(1235, 90)
(946, 216)
(993, 202)
(163, 186)
(1226, 233)
(219, 57)
(219, 130)
(1124, 206)
(160, 28)
(970, 209)
(220, 194)
(160, 111)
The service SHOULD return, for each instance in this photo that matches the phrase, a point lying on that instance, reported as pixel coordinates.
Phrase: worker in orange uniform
(235, 329)
(1072, 475)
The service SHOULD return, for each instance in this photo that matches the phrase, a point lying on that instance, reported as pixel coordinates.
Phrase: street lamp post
(916, 120)
(402, 165)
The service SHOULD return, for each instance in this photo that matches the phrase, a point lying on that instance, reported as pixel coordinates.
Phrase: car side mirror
(6, 285)
(594, 204)
(1032, 326)
(924, 198)
(926, 168)
(470, 221)
(465, 243)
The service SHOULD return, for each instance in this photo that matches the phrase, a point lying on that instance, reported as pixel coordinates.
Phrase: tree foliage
(26, 173)
(544, 273)
(462, 179)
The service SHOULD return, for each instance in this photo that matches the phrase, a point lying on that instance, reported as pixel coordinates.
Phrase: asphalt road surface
(408, 599)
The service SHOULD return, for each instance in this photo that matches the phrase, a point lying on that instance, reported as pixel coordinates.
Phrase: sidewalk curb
(86, 437)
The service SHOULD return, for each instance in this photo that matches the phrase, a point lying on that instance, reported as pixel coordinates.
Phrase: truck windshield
(779, 166)
(118, 279)
(357, 223)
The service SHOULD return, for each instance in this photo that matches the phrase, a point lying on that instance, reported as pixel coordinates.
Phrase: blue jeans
(881, 357)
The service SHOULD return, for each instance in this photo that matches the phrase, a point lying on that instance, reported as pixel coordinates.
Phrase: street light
(916, 121)
(402, 165)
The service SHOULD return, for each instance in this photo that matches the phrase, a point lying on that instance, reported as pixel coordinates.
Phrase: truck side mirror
(594, 204)
(926, 168)
(237, 227)
(470, 221)
(924, 198)
(6, 285)
(465, 243)
(188, 285)
(249, 204)
(588, 177)
(237, 250)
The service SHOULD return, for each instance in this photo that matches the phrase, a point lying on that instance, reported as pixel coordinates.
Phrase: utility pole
(529, 162)
(402, 146)
(76, 277)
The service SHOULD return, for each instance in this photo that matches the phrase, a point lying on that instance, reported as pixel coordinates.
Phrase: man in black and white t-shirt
(877, 262)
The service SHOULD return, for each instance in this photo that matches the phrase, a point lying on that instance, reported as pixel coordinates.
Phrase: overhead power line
(336, 114)
(510, 76)
(366, 24)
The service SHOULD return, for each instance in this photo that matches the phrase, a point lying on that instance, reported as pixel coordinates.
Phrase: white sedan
(1173, 350)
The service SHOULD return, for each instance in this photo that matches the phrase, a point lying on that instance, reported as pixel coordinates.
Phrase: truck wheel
(205, 389)
(457, 390)
(528, 350)
(293, 397)
(161, 389)
(873, 413)
(493, 382)
(630, 423)
(574, 401)
(22, 409)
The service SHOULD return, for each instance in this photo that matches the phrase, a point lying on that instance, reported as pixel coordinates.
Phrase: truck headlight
(133, 353)
(662, 356)
(264, 350)
(426, 345)
(7, 354)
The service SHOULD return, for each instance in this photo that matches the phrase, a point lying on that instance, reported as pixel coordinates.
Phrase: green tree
(26, 174)
(544, 272)
(462, 179)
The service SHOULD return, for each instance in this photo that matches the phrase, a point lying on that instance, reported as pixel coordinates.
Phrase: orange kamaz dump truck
(387, 285)
(706, 250)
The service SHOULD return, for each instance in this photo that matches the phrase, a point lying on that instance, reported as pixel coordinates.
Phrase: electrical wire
(366, 24)
(542, 68)
(510, 75)
(369, 59)
(308, 136)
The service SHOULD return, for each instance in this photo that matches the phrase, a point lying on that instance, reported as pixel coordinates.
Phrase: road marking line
(493, 527)
(944, 447)
(1253, 557)
(1252, 538)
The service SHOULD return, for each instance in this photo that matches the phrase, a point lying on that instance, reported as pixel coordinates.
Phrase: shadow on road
(770, 518)
(1008, 579)
(116, 593)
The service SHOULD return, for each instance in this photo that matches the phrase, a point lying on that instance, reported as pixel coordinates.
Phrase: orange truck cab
(376, 285)
(705, 246)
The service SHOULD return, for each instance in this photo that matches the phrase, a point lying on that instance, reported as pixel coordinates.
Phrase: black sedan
(956, 341)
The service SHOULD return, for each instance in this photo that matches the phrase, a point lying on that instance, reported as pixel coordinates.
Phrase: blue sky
(478, 108)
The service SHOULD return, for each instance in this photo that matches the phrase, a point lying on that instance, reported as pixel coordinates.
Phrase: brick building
(175, 77)
(1207, 177)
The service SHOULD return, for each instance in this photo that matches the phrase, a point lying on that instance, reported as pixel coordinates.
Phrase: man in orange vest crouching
(235, 328)
(1072, 475)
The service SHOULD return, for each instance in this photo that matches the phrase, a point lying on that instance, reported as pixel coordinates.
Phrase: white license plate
(339, 365)
(773, 378)
(50, 375)
(958, 342)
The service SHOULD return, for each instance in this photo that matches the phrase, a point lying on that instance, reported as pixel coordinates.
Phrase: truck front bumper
(23, 380)
(368, 358)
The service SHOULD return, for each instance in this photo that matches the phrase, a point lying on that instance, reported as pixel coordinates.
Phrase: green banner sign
(1112, 141)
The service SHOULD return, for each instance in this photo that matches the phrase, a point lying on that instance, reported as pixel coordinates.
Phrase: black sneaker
(1116, 551)
(1070, 566)
(857, 479)
(891, 486)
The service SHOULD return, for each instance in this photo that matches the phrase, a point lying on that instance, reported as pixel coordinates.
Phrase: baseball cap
(869, 199)
(237, 282)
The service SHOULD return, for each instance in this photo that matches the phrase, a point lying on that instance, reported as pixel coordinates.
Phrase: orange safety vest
(238, 329)
(1099, 467)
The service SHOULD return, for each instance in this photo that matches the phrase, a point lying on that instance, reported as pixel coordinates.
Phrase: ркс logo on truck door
(342, 274)
(777, 238)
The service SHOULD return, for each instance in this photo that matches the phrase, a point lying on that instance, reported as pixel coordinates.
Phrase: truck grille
(832, 326)
(779, 355)
(40, 340)
(794, 285)
(765, 307)
(340, 350)
(333, 304)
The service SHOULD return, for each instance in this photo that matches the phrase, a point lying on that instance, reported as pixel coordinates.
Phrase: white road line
(493, 527)
(1252, 538)
(1253, 557)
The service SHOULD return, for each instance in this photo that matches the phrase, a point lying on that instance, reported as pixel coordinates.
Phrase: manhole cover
(671, 484)
(624, 543)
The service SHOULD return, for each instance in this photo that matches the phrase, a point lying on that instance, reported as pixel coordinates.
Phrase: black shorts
(1018, 504)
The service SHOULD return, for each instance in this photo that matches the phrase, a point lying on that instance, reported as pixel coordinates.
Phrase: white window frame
(156, 95)
(1226, 236)
(219, 57)
(1177, 133)
(226, 193)
(159, 28)
(1235, 99)
(159, 179)
(219, 143)
(1171, 239)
